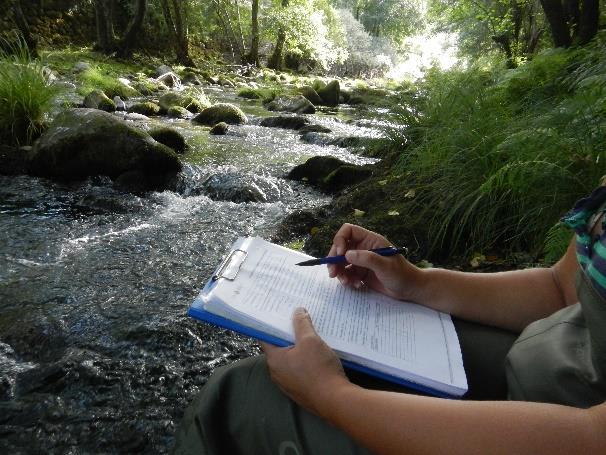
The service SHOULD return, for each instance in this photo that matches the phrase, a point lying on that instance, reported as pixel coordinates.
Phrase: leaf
(424, 264)
(358, 213)
(382, 182)
(410, 194)
(477, 260)
(314, 230)
(393, 213)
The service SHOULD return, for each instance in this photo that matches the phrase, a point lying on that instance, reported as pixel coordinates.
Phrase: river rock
(162, 70)
(309, 93)
(315, 169)
(314, 129)
(86, 142)
(219, 129)
(13, 161)
(191, 78)
(120, 105)
(169, 137)
(286, 122)
(178, 112)
(344, 176)
(239, 188)
(146, 108)
(311, 137)
(96, 99)
(192, 101)
(295, 104)
(330, 94)
(170, 80)
(80, 67)
(221, 112)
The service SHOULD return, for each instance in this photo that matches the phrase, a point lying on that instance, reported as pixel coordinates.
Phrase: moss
(178, 112)
(146, 108)
(221, 112)
(250, 93)
(169, 137)
(94, 78)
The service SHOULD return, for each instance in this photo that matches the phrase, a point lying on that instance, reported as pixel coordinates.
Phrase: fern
(556, 242)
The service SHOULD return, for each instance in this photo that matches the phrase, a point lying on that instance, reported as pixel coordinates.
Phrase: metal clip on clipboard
(230, 266)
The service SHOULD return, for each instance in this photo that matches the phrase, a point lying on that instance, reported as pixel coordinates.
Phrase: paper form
(269, 287)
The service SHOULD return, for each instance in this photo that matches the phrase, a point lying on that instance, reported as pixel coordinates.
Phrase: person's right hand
(391, 275)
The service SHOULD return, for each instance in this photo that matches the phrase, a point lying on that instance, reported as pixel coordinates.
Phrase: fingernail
(301, 310)
(351, 254)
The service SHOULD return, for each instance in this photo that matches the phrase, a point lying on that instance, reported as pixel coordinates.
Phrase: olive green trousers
(241, 411)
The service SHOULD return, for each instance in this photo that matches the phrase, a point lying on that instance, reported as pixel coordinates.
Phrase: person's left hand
(308, 372)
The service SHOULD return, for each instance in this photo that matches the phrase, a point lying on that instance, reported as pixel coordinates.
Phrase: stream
(97, 354)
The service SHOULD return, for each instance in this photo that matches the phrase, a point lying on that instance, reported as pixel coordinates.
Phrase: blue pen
(387, 251)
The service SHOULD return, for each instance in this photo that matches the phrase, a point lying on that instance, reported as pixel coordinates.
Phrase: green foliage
(249, 93)
(556, 242)
(26, 94)
(499, 155)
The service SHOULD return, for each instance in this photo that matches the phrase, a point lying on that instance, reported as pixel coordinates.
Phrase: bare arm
(509, 300)
(393, 423)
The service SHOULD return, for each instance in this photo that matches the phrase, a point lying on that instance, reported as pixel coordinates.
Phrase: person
(550, 351)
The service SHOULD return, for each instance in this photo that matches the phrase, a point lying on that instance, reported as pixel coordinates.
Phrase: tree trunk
(275, 61)
(589, 20)
(106, 40)
(560, 31)
(125, 47)
(178, 31)
(23, 26)
(253, 55)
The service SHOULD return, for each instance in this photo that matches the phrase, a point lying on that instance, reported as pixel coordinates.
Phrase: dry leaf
(358, 213)
(382, 182)
(393, 213)
(477, 260)
(410, 194)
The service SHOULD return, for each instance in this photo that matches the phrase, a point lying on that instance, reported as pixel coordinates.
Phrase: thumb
(367, 259)
(301, 321)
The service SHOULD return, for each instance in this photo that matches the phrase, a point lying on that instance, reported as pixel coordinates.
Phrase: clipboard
(229, 270)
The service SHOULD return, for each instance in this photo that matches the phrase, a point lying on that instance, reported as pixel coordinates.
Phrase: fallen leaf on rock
(358, 213)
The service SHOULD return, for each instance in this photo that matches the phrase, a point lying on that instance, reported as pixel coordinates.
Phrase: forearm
(509, 300)
(391, 423)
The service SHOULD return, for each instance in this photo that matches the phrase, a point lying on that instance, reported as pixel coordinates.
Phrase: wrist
(330, 397)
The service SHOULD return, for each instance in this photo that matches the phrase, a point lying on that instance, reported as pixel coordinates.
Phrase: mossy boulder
(219, 129)
(330, 94)
(221, 112)
(286, 122)
(309, 93)
(85, 142)
(169, 137)
(178, 112)
(169, 79)
(146, 108)
(192, 101)
(191, 78)
(295, 104)
(96, 99)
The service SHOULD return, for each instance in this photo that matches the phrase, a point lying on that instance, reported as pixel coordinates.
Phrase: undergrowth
(26, 94)
(500, 155)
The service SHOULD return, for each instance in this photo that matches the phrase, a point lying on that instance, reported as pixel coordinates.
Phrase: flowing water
(96, 351)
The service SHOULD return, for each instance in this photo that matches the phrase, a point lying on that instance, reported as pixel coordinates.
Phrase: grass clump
(26, 94)
(497, 156)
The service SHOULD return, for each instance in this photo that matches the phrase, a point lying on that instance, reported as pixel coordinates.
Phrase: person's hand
(308, 372)
(390, 275)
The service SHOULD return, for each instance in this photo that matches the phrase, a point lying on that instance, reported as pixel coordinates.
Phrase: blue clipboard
(228, 270)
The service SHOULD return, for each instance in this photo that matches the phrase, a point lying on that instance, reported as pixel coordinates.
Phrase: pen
(387, 251)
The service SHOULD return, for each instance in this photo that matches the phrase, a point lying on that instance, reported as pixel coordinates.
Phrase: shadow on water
(96, 352)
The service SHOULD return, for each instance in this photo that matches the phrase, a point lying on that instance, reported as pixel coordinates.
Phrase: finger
(368, 260)
(332, 268)
(302, 324)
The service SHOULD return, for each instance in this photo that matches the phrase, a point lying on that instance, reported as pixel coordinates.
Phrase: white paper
(399, 338)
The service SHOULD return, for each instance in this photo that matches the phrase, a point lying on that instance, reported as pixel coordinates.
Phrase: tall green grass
(26, 94)
(500, 155)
